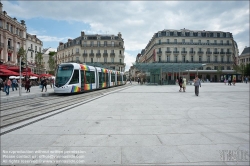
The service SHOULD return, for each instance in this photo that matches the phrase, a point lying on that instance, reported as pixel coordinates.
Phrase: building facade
(12, 37)
(45, 55)
(107, 50)
(36, 45)
(216, 49)
(244, 57)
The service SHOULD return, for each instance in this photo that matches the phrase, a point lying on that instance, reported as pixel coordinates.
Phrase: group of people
(14, 83)
(229, 81)
(183, 83)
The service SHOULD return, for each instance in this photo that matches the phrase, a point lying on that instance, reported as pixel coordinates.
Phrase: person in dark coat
(44, 84)
(27, 85)
(180, 83)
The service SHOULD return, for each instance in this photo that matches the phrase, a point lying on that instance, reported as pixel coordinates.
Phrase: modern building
(244, 57)
(107, 50)
(36, 45)
(12, 37)
(217, 50)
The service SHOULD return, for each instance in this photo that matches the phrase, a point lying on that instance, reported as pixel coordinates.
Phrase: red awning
(29, 74)
(6, 72)
(45, 75)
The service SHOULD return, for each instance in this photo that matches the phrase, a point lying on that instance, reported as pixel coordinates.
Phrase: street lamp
(20, 73)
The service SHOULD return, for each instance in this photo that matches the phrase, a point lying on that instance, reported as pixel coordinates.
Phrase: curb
(26, 97)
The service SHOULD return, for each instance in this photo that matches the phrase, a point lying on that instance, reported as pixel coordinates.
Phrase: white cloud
(139, 20)
(129, 59)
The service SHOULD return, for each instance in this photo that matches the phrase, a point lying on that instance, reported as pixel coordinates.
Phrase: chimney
(82, 33)
(60, 43)
(69, 40)
(22, 22)
(34, 36)
(4, 12)
(14, 18)
(1, 7)
(119, 35)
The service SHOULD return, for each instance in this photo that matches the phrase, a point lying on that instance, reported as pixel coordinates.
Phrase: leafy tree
(21, 52)
(39, 61)
(52, 62)
(247, 70)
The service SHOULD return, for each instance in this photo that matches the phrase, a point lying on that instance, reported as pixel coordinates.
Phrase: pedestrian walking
(7, 85)
(130, 81)
(14, 84)
(44, 84)
(27, 85)
(246, 79)
(184, 85)
(197, 84)
(1, 83)
(234, 81)
(180, 83)
(229, 81)
(225, 81)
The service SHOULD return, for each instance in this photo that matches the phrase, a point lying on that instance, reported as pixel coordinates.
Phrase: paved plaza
(141, 125)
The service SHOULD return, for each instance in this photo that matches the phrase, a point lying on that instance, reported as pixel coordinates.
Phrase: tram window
(75, 78)
(88, 77)
(92, 76)
(82, 76)
(112, 77)
(106, 77)
(100, 78)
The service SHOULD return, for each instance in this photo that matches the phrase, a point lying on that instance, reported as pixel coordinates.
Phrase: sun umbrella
(33, 78)
(12, 77)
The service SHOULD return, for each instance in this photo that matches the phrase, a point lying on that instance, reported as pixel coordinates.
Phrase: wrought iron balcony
(222, 53)
(98, 54)
(159, 52)
(228, 53)
(105, 54)
(191, 52)
(175, 52)
(183, 52)
(200, 52)
(215, 52)
(112, 54)
(208, 52)
(10, 47)
(91, 54)
(84, 54)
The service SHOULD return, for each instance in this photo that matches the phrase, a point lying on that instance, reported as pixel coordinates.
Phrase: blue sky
(57, 21)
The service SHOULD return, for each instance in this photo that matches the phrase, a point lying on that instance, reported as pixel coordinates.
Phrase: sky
(58, 21)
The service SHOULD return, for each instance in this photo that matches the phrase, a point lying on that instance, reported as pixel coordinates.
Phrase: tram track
(10, 115)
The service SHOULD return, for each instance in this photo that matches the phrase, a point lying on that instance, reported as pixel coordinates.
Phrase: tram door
(82, 80)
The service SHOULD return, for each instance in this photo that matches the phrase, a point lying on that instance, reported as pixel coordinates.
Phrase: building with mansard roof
(216, 49)
(107, 50)
(12, 37)
(244, 57)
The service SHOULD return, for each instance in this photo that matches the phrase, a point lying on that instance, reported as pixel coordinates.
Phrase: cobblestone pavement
(141, 125)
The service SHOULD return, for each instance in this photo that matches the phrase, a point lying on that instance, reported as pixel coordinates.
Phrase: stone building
(244, 57)
(35, 45)
(217, 50)
(107, 50)
(12, 37)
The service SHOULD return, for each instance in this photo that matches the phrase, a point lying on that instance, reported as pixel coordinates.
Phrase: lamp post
(20, 73)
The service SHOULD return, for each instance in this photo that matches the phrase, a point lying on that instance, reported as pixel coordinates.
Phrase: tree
(52, 62)
(21, 52)
(247, 70)
(39, 61)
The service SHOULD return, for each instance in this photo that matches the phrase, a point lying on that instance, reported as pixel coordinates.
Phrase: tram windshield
(63, 74)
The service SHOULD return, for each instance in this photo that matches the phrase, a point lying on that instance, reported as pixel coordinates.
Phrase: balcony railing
(189, 61)
(98, 54)
(91, 54)
(183, 52)
(112, 54)
(168, 52)
(176, 52)
(85, 54)
(159, 52)
(228, 53)
(10, 47)
(105, 54)
(191, 52)
(101, 45)
(208, 52)
(222, 52)
(200, 52)
(215, 52)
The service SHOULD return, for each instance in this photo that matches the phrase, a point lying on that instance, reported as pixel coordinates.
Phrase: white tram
(75, 78)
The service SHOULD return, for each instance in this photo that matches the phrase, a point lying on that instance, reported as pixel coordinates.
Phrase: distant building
(36, 45)
(12, 37)
(244, 57)
(108, 50)
(45, 55)
(216, 49)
